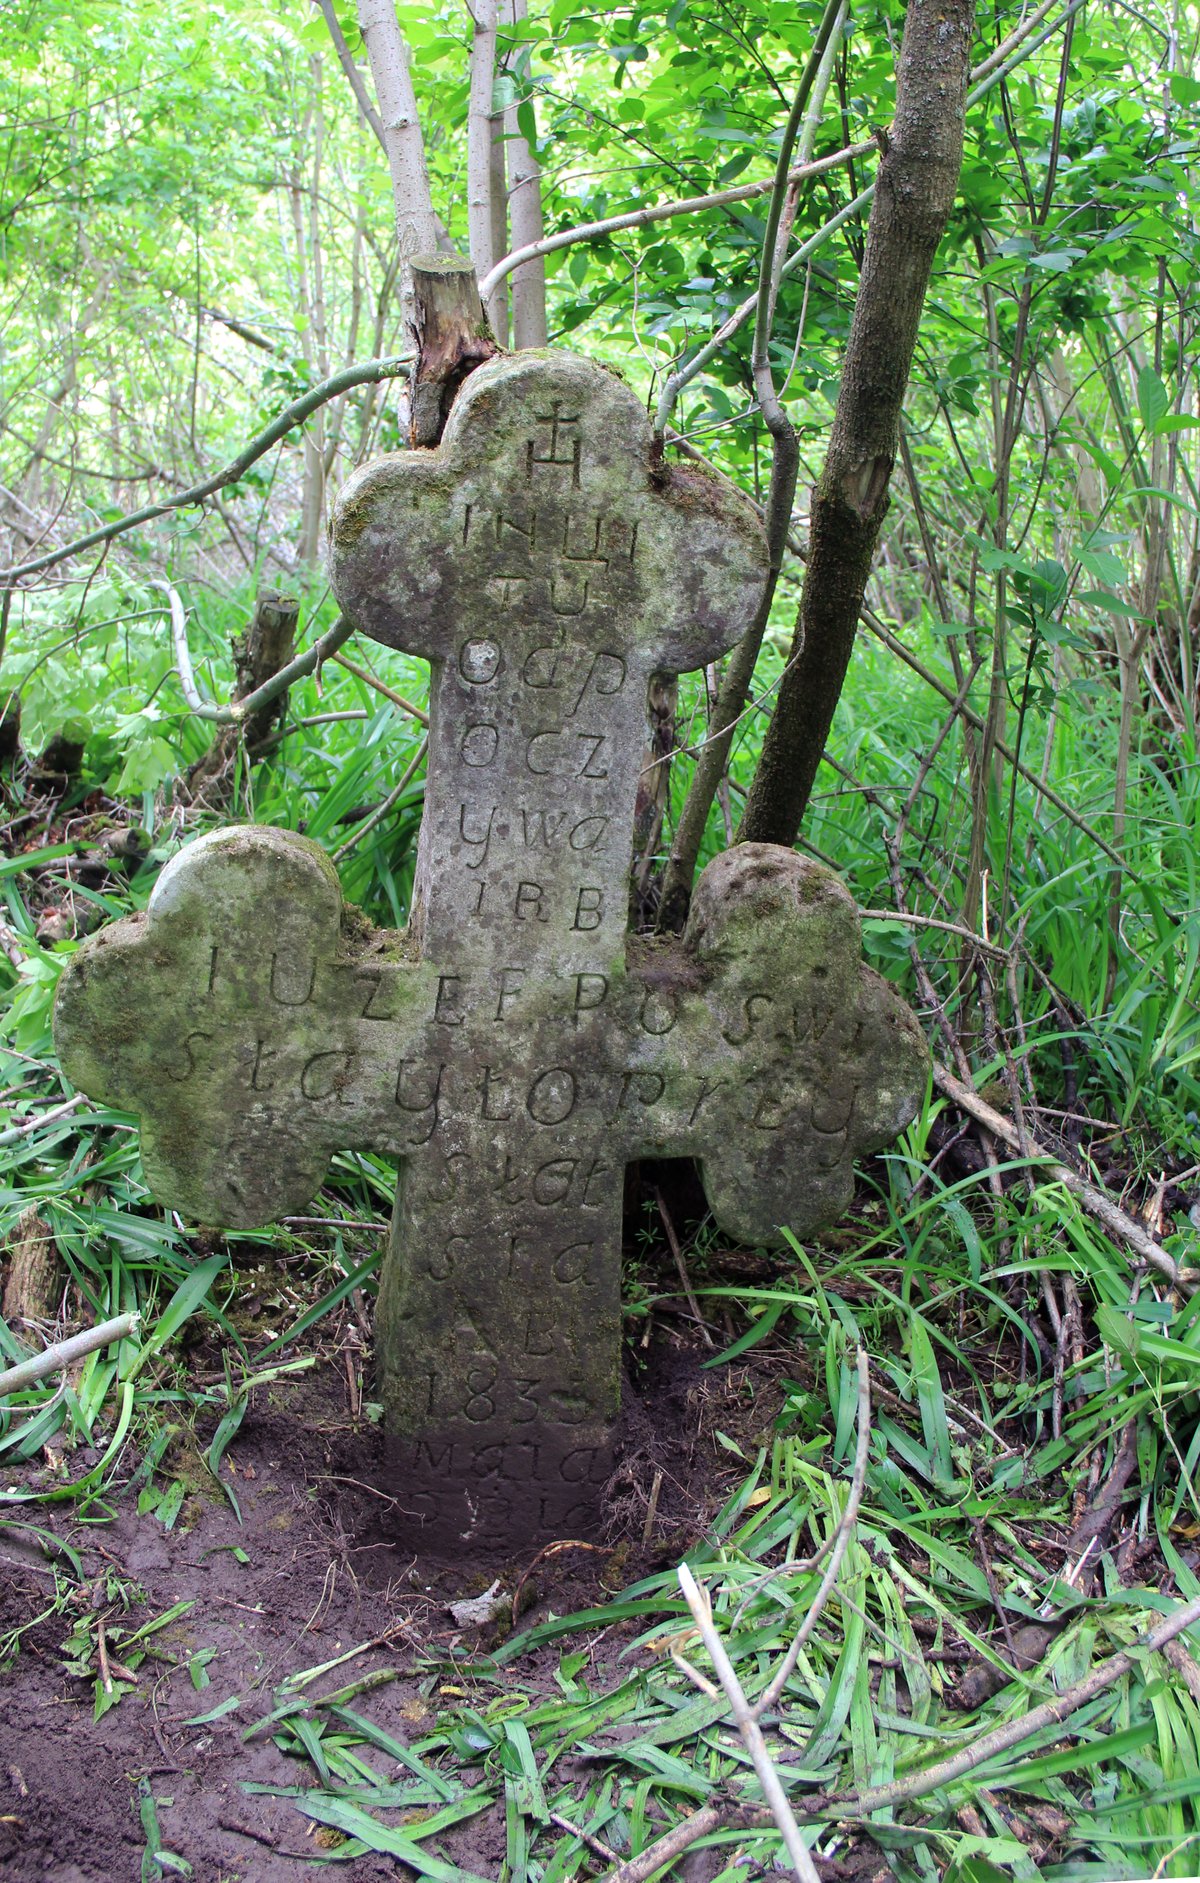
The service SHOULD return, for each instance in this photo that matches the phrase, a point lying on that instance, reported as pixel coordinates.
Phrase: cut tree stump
(453, 338)
(31, 1281)
(267, 645)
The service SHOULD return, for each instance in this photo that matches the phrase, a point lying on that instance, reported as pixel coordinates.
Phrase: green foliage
(164, 170)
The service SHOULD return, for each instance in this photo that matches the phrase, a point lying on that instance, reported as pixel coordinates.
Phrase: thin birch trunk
(498, 197)
(417, 228)
(480, 230)
(524, 214)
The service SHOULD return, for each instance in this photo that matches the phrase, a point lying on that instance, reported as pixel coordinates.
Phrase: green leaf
(1152, 397)
(217, 1713)
(1117, 1331)
(180, 1308)
(347, 1817)
(757, 1331)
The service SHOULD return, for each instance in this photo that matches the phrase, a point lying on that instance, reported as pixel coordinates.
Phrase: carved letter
(440, 1266)
(533, 760)
(541, 828)
(541, 667)
(417, 1105)
(479, 743)
(659, 1013)
(595, 742)
(604, 668)
(589, 833)
(516, 975)
(707, 1088)
(479, 661)
(289, 998)
(186, 1046)
(768, 1113)
(571, 1264)
(373, 984)
(591, 991)
(529, 897)
(646, 1087)
(551, 1097)
(258, 1085)
(496, 1117)
(482, 844)
(552, 1181)
(445, 1000)
(754, 1006)
(334, 1079)
(539, 1337)
(589, 909)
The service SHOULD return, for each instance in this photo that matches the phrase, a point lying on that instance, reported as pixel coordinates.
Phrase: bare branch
(1095, 1201)
(663, 212)
(370, 372)
(749, 1728)
(349, 67)
(64, 1352)
(381, 810)
(1025, 1726)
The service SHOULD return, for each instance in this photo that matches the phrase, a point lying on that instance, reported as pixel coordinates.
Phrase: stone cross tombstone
(515, 1047)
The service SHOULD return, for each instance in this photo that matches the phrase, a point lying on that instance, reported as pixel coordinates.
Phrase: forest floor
(314, 1571)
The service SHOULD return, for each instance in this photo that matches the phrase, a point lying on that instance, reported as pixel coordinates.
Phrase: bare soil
(313, 1569)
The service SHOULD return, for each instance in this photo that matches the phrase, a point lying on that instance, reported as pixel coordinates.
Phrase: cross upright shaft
(547, 569)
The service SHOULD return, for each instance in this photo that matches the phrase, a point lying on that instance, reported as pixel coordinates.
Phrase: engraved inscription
(515, 1049)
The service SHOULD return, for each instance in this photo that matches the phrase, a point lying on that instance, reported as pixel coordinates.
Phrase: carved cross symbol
(514, 1048)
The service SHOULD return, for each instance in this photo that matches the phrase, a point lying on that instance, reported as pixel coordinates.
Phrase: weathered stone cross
(515, 1047)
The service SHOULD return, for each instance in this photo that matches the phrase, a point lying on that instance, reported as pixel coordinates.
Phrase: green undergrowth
(586, 1731)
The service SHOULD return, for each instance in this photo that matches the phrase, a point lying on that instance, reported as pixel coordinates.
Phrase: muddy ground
(312, 1570)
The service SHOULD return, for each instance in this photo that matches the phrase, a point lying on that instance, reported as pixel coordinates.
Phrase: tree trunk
(31, 1283)
(417, 228)
(525, 215)
(480, 228)
(497, 308)
(918, 176)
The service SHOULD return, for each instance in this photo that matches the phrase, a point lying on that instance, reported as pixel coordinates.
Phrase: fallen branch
(748, 1727)
(14, 1132)
(389, 693)
(1097, 1202)
(381, 810)
(664, 1850)
(64, 1352)
(841, 1543)
(323, 648)
(1016, 1732)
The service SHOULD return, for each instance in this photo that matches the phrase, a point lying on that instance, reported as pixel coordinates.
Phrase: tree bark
(480, 228)
(31, 1283)
(525, 215)
(417, 227)
(915, 191)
